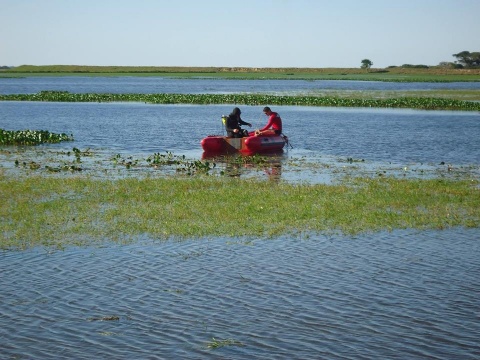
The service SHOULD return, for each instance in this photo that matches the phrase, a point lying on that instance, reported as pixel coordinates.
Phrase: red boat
(248, 145)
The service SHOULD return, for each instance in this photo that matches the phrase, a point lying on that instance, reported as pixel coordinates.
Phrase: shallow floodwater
(377, 140)
(398, 295)
(401, 294)
(377, 134)
(149, 85)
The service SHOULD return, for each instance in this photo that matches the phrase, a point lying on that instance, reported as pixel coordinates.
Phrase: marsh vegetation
(58, 200)
(397, 74)
(61, 211)
(423, 102)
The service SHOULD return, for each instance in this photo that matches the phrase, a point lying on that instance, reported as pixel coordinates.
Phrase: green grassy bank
(431, 74)
(82, 211)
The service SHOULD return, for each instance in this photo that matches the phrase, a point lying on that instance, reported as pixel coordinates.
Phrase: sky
(242, 33)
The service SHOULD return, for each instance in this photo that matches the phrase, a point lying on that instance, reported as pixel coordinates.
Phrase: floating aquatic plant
(424, 103)
(164, 159)
(197, 166)
(31, 137)
(183, 165)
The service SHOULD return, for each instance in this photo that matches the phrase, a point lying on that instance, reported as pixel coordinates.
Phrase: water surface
(401, 295)
(374, 134)
(150, 85)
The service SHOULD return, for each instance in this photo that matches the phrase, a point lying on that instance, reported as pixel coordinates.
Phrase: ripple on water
(404, 294)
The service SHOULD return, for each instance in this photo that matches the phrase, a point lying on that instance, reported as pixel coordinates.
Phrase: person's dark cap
(266, 108)
(236, 111)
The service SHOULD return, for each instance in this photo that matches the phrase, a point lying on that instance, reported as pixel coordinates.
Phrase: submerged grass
(218, 343)
(58, 212)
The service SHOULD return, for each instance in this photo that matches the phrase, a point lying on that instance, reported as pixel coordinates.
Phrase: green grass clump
(82, 211)
(218, 343)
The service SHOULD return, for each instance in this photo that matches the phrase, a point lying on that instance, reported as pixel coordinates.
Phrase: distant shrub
(410, 66)
(450, 65)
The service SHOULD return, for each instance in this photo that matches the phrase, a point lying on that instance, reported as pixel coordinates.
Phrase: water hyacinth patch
(424, 103)
(31, 137)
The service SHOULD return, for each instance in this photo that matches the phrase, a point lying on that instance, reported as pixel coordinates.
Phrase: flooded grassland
(360, 241)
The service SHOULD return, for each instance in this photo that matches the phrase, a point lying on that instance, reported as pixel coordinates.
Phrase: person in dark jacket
(232, 125)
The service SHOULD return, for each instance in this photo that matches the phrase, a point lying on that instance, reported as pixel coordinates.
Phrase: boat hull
(247, 145)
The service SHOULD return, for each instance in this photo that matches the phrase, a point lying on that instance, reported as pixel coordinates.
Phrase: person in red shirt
(274, 124)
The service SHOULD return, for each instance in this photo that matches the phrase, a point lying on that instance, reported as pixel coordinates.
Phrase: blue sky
(243, 33)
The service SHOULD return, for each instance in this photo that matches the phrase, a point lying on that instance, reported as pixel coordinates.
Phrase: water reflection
(238, 165)
(233, 169)
(274, 172)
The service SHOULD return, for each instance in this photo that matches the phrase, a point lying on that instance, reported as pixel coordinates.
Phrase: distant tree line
(465, 59)
(410, 66)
